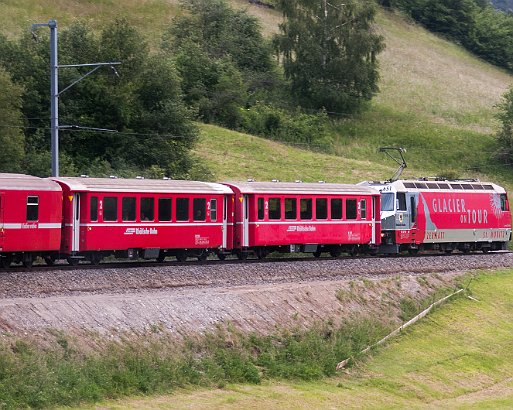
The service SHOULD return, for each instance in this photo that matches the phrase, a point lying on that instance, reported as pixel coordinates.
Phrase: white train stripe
(34, 225)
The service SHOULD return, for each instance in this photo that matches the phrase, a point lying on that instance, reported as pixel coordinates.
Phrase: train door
(2, 229)
(75, 235)
(225, 222)
(373, 215)
(412, 206)
(245, 221)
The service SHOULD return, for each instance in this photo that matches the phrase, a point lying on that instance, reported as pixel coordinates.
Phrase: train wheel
(95, 258)
(317, 254)
(5, 261)
(242, 256)
(203, 256)
(49, 260)
(448, 251)
(221, 256)
(485, 250)
(73, 261)
(414, 251)
(181, 257)
(27, 260)
(161, 257)
(261, 253)
(335, 252)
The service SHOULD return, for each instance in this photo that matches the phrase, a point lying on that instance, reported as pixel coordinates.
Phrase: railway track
(130, 277)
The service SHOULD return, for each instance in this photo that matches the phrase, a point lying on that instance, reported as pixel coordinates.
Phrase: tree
(505, 134)
(11, 133)
(329, 52)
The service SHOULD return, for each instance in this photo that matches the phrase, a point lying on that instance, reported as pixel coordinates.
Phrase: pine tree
(329, 52)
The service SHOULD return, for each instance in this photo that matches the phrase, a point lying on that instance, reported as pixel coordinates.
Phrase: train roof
(437, 185)
(21, 182)
(318, 188)
(84, 184)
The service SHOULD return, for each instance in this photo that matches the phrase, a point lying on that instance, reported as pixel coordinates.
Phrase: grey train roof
(82, 184)
(22, 182)
(294, 188)
(438, 185)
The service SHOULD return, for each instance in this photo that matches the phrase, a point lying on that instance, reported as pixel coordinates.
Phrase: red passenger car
(30, 219)
(133, 218)
(304, 217)
(443, 215)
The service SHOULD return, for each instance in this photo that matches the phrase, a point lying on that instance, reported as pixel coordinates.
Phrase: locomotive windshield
(387, 201)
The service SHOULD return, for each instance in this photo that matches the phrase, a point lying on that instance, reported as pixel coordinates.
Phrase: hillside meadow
(460, 356)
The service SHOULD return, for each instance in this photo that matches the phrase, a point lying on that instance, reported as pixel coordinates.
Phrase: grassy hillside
(460, 356)
(436, 100)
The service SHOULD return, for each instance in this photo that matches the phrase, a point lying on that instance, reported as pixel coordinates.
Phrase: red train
(91, 218)
(431, 214)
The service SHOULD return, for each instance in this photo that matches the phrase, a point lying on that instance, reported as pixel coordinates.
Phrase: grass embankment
(460, 356)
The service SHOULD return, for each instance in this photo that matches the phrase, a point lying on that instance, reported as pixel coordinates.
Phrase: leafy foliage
(143, 103)
(329, 52)
(505, 134)
(11, 137)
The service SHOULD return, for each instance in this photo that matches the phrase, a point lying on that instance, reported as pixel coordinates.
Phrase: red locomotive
(30, 218)
(304, 217)
(443, 215)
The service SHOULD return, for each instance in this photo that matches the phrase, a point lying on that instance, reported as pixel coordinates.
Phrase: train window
(165, 207)
(274, 208)
(32, 208)
(420, 185)
(110, 208)
(443, 186)
(260, 206)
(290, 208)
(321, 208)
(213, 210)
(305, 205)
(413, 209)
(199, 207)
(350, 208)
(504, 202)
(182, 209)
(128, 209)
(432, 185)
(363, 209)
(401, 201)
(147, 212)
(466, 186)
(477, 186)
(387, 201)
(336, 208)
(487, 187)
(93, 209)
(455, 186)
(409, 185)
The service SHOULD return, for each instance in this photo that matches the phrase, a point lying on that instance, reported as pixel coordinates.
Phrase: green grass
(460, 356)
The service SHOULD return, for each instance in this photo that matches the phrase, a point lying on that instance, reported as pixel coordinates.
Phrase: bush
(292, 127)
